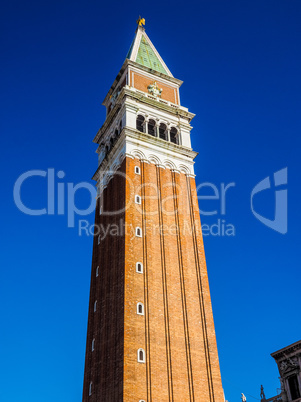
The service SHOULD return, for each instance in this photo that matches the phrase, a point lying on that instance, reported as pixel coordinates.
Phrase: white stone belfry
(163, 137)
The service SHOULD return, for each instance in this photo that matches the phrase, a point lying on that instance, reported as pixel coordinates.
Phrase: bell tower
(150, 330)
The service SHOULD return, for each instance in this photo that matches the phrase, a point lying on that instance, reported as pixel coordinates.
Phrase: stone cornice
(106, 163)
(131, 63)
(108, 120)
(182, 155)
(287, 350)
(155, 141)
(116, 81)
(132, 94)
(154, 72)
(159, 103)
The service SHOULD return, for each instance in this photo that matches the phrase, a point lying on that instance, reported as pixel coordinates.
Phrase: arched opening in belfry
(151, 127)
(174, 135)
(139, 123)
(163, 131)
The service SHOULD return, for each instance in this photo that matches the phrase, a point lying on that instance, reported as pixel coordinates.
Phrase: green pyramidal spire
(148, 58)
(143, 52)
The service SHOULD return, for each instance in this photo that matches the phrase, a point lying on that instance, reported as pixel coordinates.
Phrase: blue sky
(240, 63)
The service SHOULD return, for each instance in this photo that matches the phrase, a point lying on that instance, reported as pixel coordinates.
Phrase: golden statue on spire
(140, 21)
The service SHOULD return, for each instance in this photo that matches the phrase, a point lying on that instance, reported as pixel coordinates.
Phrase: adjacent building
(288, 361)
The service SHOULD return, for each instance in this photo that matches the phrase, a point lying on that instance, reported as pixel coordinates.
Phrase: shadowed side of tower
(105, 335)
(150, 334)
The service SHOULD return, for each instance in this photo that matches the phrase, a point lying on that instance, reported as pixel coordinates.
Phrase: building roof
(143, 52)
(288, 349)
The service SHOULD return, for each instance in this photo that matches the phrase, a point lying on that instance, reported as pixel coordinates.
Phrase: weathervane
(140, 21)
